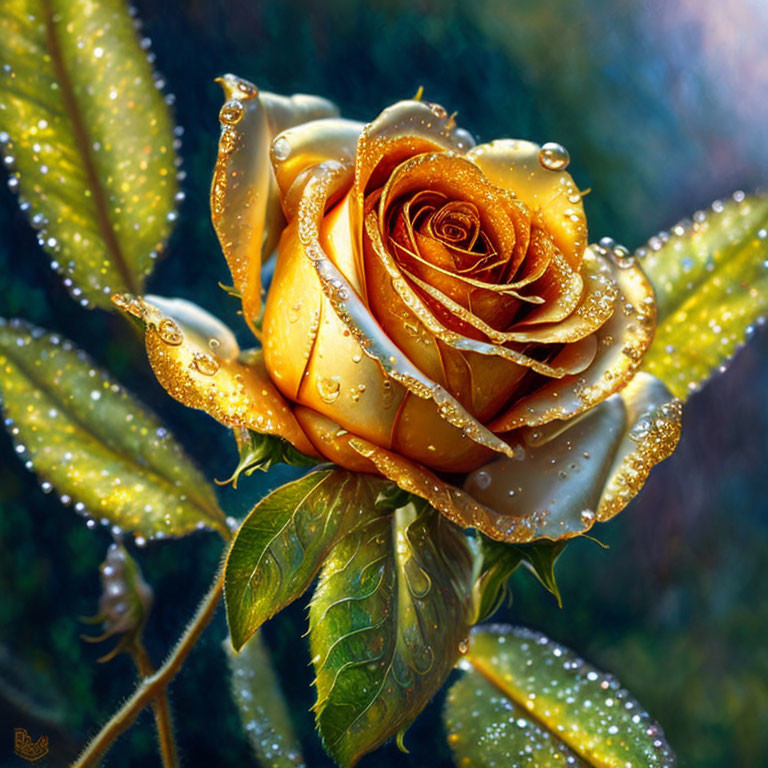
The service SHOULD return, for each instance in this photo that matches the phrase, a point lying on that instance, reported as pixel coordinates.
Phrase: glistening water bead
(554, 157)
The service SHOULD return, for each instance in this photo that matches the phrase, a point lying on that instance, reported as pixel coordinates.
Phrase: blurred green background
(663, 106)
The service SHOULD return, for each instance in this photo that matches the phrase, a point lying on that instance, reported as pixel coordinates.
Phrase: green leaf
(530, 703)
(90, 141)
(263, 711)
(711, 281)
(97, 446)
(388, 621)
(282, 543)
(261, 452)
(540, 558)
(497, 562)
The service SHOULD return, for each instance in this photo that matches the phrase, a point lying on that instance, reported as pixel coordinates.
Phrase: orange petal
(514, 165)
(560, 287)
(245, 205)
(332, 441)
(457, 505)
(585, 470)
(596, 305)
(502, 217)
(196, 359)
(622, 342)
(422, 434)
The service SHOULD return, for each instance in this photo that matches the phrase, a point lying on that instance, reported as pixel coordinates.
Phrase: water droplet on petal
(206, 364)
(232, 112)
(328, 389)
(169, 332)
(281, 149)
(554, 157)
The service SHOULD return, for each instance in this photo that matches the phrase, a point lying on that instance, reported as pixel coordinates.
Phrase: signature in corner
(30, 750)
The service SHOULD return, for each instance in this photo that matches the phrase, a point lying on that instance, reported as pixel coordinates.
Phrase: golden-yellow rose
(435, 315)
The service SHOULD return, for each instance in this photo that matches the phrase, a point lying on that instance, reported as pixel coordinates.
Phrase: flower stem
(153, 687)
(160, 707)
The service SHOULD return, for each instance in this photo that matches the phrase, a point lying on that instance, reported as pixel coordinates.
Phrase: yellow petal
(297, 149)
(245, 204)
(621, 343)
(196, 359)
(574, 473)
(514, 165)
(314, 359)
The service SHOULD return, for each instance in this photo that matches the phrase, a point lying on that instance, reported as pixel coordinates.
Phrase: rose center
(443, 232)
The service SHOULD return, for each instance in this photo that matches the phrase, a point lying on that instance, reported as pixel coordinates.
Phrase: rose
(435, 314)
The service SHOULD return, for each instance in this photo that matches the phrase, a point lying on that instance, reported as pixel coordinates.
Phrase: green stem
(160, 707)
(154, 686)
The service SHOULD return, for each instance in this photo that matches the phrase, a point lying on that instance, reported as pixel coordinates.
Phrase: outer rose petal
(313, 359)
(457, 505)
(245, 205)
(332, 441)
(317, 362)
(622, 342)
(514, 165)
(583, 470)
(211, 376)
(296, 150)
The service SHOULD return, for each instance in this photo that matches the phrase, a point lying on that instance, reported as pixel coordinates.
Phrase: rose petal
(332, 440)
(560, 288)
(502, 217)
(514, 165)
(196, 359)
(583, 470)
(657, 420)
(245, 206)
(314, 359)
(622, 342)
(597, 303)
(457, 505)
(297, 149)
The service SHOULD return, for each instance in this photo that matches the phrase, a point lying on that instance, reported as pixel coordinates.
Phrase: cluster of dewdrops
(46, 238)
(40, 425)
